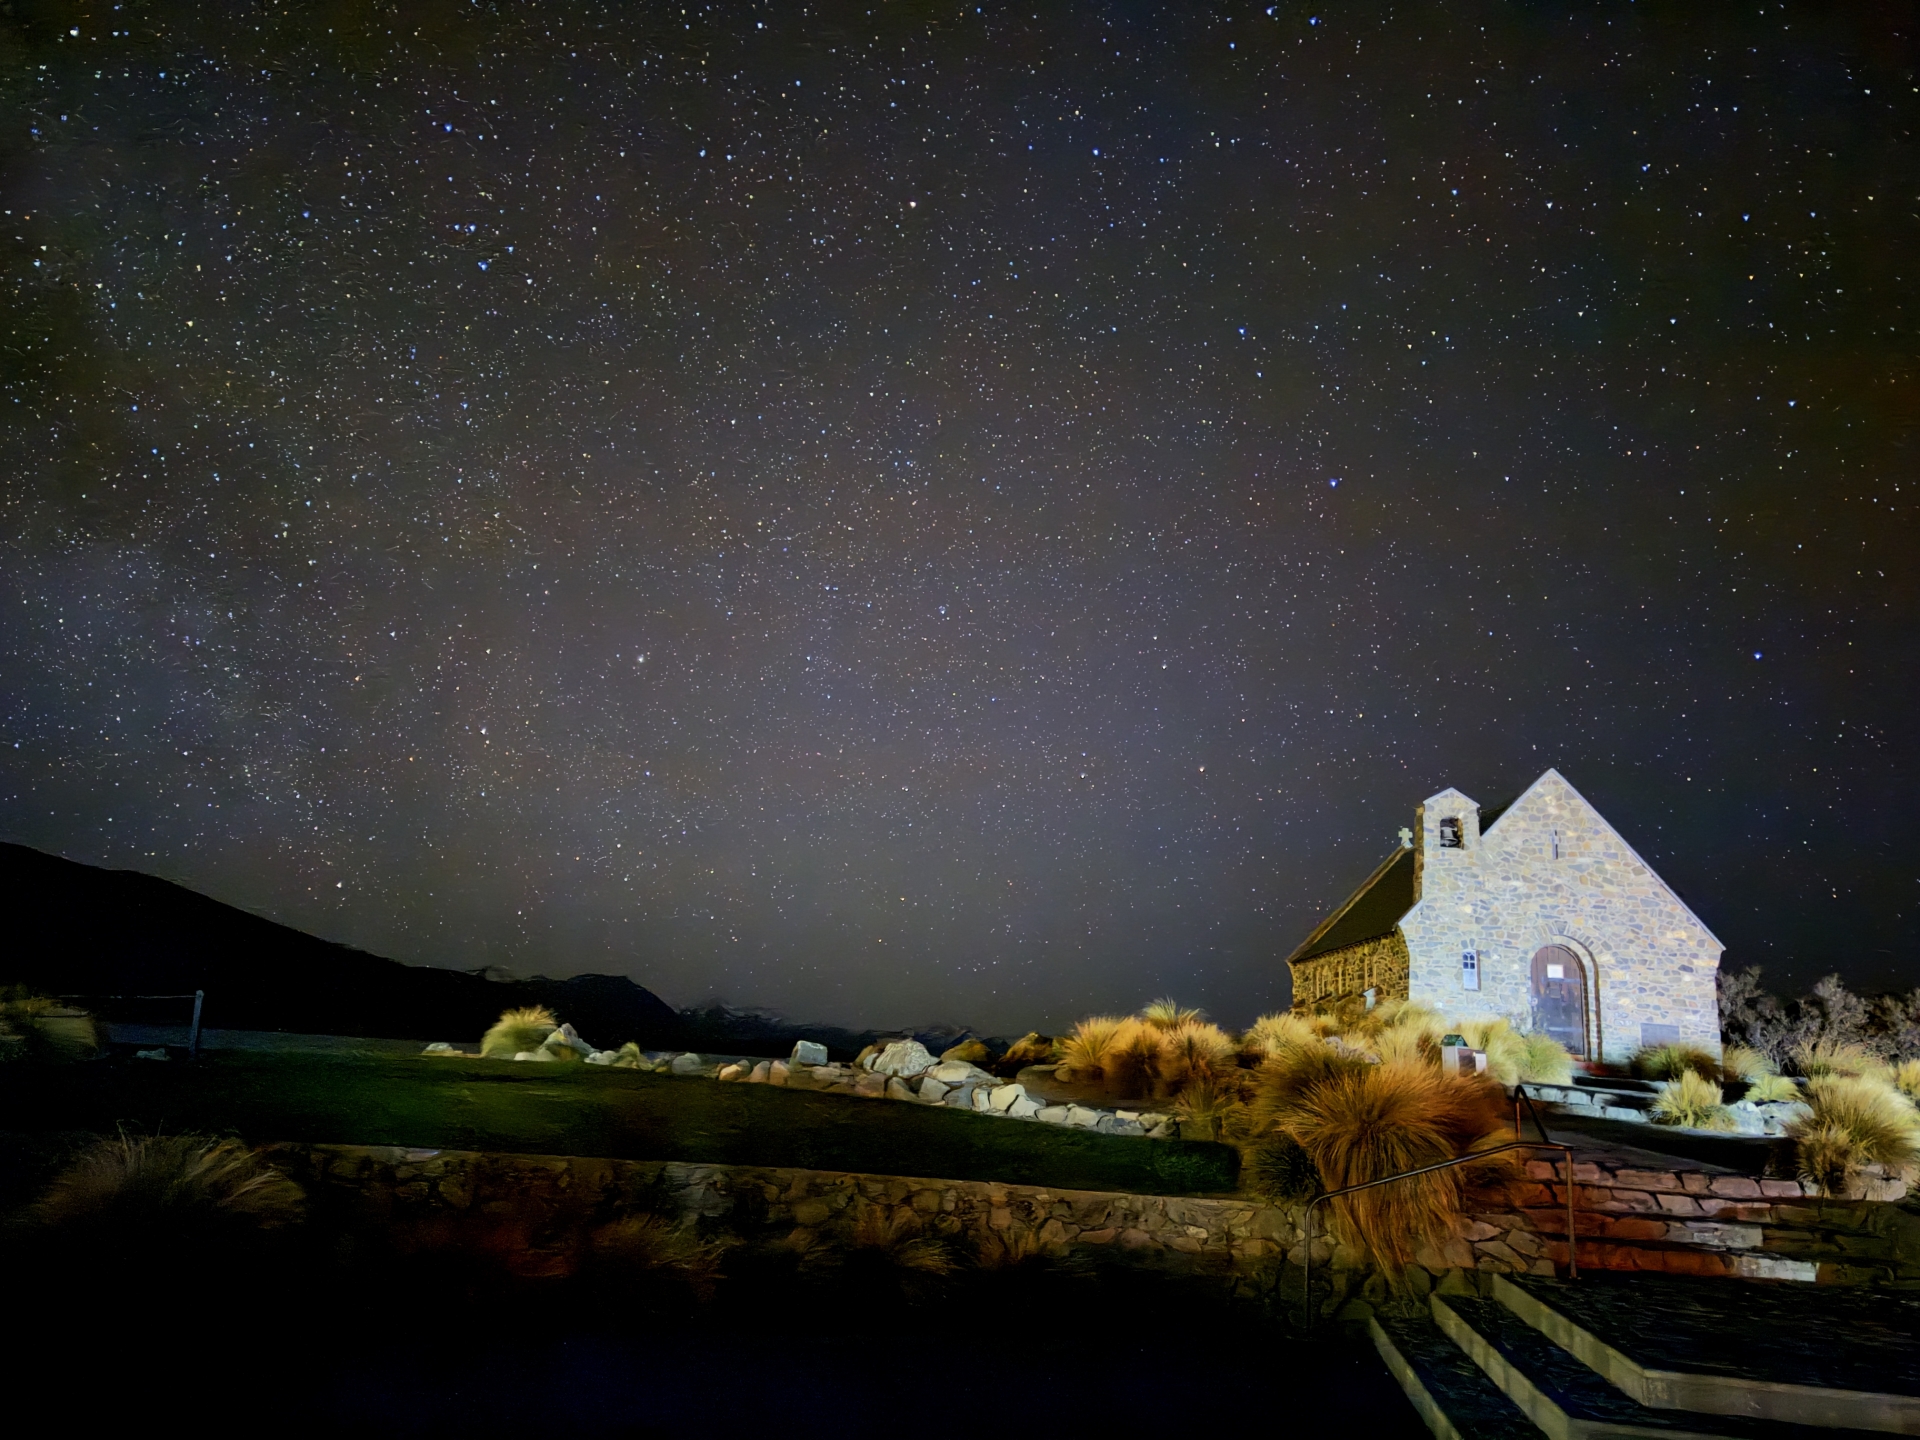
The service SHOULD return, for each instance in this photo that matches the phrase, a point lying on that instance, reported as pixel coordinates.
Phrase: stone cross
(1406, 838)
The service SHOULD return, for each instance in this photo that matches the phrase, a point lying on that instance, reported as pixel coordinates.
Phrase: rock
(827, 1074)
(960, 1097)
(952, 1072)
(438, 1047)
(932, 1091)
(1123, 1127)
(159, 1054)
(870, 1085)
(603, 1057)
(1024, 1108)
(541, 1054)
(1151, 1120)
(687, 1064)
(808, 1052)
(1002, 1098)
(898, 1089)
(1053, 1114)
(760, 1073)
(1081, 1116)
(971, 1051)
(731, 1072)
(904, 1058)
(777, 1073)
(977, 1097)
(864, 1060)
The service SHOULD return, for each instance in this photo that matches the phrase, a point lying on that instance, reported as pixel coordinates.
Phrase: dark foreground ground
(319, 1328)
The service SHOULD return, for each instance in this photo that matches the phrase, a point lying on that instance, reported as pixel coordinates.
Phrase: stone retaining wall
(537, 1211)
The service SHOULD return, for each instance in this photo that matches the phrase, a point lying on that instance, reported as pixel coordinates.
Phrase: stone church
(1537, 911)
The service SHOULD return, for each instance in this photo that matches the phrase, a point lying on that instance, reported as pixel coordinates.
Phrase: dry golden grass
(1272, 1033)
(1084, 1052)
(1196, 1049)
(1671, 1061)
(134, 1184)
(518, 1030)
(1743, 1062)
(1007, 1249)
(1168, 1014)
(649, 1246)
(1545, 1060)
(1771, 1089)
(1906, 1078)
(1822, 1058)
(1210, 1107)
(1691, 1100)
(1853, 1121)
(1360, 1121)
(899, 1237)
(1135, 1062)
(1506, 1048)
(1032, 1048)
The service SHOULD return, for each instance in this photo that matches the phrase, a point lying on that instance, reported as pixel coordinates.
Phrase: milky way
(938, 512)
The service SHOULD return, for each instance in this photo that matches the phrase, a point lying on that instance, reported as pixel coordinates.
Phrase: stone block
(1082, 1117)
(1737, 1187)
(1635, 1200)
(1780, 1189)
(1054, 1235)
(1477, 1230)
(808, 1052)
(898, 1089)
(778, 1072)
(1138, 1240)
(1104, 1236)
(1679, 1204)
(1002, 1097)
(1637, 1227)
(1051, 1114)
(1185, 1244)
(932, 1092)
(758, 1075)
(1646, 1180)
(1695, 1182)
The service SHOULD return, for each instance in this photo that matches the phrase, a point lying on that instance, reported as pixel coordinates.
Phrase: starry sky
(931, 512)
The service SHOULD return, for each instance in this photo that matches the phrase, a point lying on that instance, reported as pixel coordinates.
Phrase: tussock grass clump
(651, 1248)
(38, 1028)
(1032, 1048)
(1545, 1060)
(1670, 1061)
(1360, 1120)
(1906, 1078)
(1818, 1059)
(1281, 1169)
(1196, 1049)
(518, 1030)
(1743, 1062)
(1692, 1100)
(1168, 1014)
(1084, 1053)
(898, 1238)
(1135, 1063)
(1272, 1033)
(1853, 1122)
(131, 1186)
(1506, 1048)
(1210, 1107)
(1008, 1249)
(1771, 1090)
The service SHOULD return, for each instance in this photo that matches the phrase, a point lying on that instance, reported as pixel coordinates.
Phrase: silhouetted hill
(73, 929)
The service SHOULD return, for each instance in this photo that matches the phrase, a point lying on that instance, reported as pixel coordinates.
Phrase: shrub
(1818, 1059)
(169, 1188)
(1853, 1122)
(1544, 1060)
(1771, 1090)
(1166, 1014)
(897, 1237)
(1669, 1062)
(1084, 1052)
(630, 1057)
(518, 1030)
(1692, 1100)
(1360, 1121)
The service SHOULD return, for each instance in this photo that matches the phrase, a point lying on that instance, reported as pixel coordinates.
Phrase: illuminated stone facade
(1550, 890)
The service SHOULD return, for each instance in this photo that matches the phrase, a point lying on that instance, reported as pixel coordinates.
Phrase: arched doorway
(1560, 997)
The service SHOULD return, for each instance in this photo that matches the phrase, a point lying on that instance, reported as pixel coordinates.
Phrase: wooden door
(1560, 997)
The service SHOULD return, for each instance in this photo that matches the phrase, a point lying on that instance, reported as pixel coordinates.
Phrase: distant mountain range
(78, 930)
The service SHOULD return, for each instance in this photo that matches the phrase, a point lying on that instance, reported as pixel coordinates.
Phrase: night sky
(945, 513)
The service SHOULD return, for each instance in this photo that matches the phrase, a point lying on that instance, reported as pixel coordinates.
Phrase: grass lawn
(584, 1110)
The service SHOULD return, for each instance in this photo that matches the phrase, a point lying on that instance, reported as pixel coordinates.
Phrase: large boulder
(903, 1058)
(808, 1052)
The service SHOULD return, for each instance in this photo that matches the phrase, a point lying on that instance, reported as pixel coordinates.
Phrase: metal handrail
(1519, 1094)
(1573, 1260)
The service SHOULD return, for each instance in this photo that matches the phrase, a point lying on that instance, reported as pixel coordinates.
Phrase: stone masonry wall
(1507, 893)
(1379, 964)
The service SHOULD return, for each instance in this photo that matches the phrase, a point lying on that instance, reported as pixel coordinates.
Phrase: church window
(1450, 833)
(1469, 969)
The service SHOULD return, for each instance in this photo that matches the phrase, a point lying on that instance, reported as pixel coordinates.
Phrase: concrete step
(1451, 1393)
(1570, 1401)
(1830, 1358)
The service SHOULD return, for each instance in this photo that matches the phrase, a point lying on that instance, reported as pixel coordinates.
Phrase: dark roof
(1370, 912)
(1491, 813)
